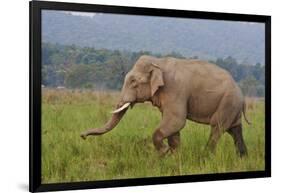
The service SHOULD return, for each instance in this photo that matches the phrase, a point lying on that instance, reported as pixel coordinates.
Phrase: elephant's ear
(156, 80)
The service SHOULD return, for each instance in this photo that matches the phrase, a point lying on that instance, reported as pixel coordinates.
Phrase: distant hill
(207, 39)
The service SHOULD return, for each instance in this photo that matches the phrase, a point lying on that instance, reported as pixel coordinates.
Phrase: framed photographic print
(126, 96)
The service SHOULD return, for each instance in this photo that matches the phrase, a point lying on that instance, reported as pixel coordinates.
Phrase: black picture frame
(35, 95)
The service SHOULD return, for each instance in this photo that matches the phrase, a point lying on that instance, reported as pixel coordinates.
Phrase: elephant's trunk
(115, 119)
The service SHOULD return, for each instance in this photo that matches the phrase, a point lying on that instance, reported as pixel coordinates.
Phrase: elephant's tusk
(126, 105)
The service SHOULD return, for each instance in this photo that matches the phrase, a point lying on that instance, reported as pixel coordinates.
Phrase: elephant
(182, 89)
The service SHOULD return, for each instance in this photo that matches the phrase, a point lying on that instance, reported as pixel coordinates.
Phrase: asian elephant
(182, 89)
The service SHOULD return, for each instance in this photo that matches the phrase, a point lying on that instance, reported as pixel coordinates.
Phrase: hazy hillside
(207, 39)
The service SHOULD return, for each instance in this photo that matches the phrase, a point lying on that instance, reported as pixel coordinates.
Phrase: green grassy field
(127, 151)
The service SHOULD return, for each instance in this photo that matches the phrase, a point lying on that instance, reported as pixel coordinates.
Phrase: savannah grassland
(127, 151)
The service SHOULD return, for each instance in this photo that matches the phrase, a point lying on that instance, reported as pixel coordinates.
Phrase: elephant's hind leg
(216, 133)
(227, 112)
(237, 135)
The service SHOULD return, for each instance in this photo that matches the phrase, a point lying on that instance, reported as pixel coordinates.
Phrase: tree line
(73, 67)
(207, 39)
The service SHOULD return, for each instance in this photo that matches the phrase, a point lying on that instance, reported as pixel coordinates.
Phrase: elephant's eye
(133, 83)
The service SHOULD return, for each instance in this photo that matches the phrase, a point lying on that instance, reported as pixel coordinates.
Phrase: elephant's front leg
(174, 141)
(171, 124)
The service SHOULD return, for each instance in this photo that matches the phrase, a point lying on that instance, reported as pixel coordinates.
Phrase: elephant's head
(140, 84)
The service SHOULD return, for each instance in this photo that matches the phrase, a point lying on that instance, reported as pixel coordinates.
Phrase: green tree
(249, 86)
(79, 76)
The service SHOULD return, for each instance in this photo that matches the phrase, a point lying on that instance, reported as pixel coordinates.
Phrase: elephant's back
(206, 84)
(202, 74)
(204, 69)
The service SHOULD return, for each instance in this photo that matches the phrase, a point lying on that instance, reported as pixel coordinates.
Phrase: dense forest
(73, 66)
(207, 39)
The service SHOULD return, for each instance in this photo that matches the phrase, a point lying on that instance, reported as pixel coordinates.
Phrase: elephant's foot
(174, 150)
(158, 143)
(164, 151)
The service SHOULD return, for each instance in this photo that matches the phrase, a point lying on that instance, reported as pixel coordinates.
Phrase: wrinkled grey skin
(183, 89)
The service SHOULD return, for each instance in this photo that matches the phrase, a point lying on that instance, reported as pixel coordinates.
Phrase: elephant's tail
(244, 113)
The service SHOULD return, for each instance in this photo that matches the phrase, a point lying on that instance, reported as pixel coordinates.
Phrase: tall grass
(127, 151)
